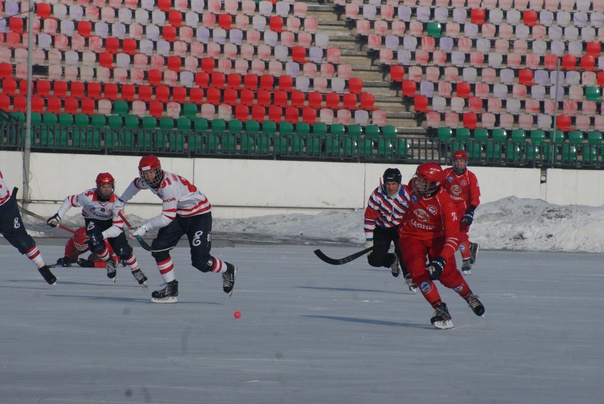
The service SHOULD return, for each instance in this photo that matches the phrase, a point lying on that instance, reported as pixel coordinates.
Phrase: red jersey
(432, 217)
(73, 253)
(463, 188)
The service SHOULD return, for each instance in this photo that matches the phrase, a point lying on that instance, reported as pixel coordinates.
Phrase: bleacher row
(491, 64)
(172, 59)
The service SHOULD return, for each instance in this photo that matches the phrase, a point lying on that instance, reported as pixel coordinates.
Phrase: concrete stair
(376, 80)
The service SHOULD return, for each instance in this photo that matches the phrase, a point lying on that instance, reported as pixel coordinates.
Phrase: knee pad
(204, 265)
(125, 252)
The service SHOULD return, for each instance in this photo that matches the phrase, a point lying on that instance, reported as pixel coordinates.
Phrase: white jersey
(4, 191)
(178, 195)
(93, 208)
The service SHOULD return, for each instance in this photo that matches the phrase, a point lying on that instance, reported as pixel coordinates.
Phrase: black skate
(466, 267)
(47, 275)
(140, 277)
(111, 270)
(475, 304)
(166, 295)
(474, 247)
(441, 318)
(395, 268)
(412, 286)
(228, 279)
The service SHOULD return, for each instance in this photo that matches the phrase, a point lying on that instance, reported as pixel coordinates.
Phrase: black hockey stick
(34, 215)
(140, 240)
(334, 261)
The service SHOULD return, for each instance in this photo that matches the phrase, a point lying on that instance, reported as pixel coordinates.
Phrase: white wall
(243, 188)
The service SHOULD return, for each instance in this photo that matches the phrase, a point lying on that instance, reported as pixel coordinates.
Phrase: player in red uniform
(13, 230)
(100, 210)
(462, 186)
(430, 229)
(78, 245)
(185, 210)
(385, 209)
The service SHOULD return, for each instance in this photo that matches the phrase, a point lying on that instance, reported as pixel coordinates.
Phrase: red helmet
(148, 164)
(460, 154)
(431, 176)
(104, 179)
(80, 239)
(460, 161)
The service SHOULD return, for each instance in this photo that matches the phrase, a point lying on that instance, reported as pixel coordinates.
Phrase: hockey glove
(96, 239)
(468, 218)
(436, 267)
(139, 232)
(65, 261)
(85, 263)
(54, 220)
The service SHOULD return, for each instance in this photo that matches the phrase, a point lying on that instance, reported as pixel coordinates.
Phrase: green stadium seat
(200, 124)
(120, 107)
(444, 134)
(131, 122)
(115, 121)
(575, 136)
(434, 29)
(593, 93)
(319, 129)
(189, 111)
(337, 129)
(355, 130)
(594, 137)
(98, 121)
(149, 122)
(499, 135)
(518, 135)
(183, 124)
(66, 119)
(402, 149)
(385, 148)
(20, 116)
(235, 126)
(389, 131)
(166, 123)
(286, 128)
(302, 128)
(557, 137)
(372, 131)
(176, 141)
(252, 126)
(269, 127)
(50, 118)
(481, 135)
(537, 136)
(81, 120)
(218, 125)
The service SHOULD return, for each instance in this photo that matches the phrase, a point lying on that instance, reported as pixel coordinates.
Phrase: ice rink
(309, 332)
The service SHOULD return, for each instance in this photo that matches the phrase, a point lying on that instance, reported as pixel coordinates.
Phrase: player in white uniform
(101, 215)
(185, 210)
(13, 230)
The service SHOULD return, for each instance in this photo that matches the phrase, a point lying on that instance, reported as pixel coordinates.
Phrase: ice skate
(441, 318)
(412, 286)
(466, 267)
(47, 275)
(111, 270)
(474, 247)
(140, 277)
(395, 268)
(166, 295)
(228, 279)
(475, 304)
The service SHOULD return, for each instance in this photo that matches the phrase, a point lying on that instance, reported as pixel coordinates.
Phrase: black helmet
(393, 175)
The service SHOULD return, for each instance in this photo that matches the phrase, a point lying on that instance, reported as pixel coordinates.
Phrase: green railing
(296, 146)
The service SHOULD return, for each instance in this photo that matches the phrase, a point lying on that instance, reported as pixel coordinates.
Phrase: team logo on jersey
(456, 190)
(464, 183)
(449, 179)
(16, 223)
(414, 198)
(422, 215)
(432, 209)
(425, 287)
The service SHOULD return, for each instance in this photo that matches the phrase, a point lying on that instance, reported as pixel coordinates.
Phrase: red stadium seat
(242, 112)
(264, 98)
(234, 80)
(292, 114)
(72, 105)
(169, 33)
(156, 109)
(129, 46)
(550, 61)
(420, 103)
(77, 89)
(409, 88)
(213, 96)
(463, 89)
(42, 87)
(162, 93)
(202, 79)
(37, 104)
(54, 105)
(164, 5)
(250, 81)
(332, 100)
(225, 21)
(275, 113)
(563, 122)
(59, 88)
(267, 82)
(5, 102)
(477, 16)
(112, 45)
(593, 48)
(16, 25)
(299, 54)
(297, 99)
(9, 86)
(88, 106)
(286, 83)
(196, 95)
(355, 85)
(128, 92)
(397, 73)
(248, 96)
(19, 103)
(309, 115)
(530, 18)
(230, 96)
(174, 63)
(258, 112)
(217, 80)
(350, 101)
(280, 98)
(208, 64)
(145, 93)
(174, 18)
(588, 62)
(84, 28)
(93, 90)
(43, 10)
(276, 24)
(525, 77)
(569, 62)
(315, 100)
(179, 94)
(470, 120)
(154, 77)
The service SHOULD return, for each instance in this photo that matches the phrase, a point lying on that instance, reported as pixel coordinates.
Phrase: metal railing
(293, 146)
